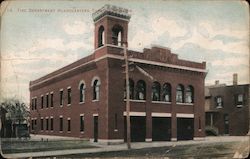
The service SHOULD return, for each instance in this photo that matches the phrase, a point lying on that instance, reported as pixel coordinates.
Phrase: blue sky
(35, 43)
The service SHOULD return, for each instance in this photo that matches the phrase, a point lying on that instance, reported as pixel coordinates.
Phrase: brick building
(86, 98)
(227, 108)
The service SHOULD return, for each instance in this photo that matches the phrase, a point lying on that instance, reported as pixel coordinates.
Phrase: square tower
(111, 26)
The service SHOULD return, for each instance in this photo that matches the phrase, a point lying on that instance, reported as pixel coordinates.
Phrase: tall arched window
(82, 92)
(189, 97)
(96, 88)
(131, 89)
(140, 90)
(180, 94)
(166, 92)
(117, 35)
(101, 36)
(156, 91)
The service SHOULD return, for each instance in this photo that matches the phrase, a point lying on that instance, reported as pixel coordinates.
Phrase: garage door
(138, 128)
(185, 128)
(161, 129)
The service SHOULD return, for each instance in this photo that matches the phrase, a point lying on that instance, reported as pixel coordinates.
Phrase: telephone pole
(127, 95)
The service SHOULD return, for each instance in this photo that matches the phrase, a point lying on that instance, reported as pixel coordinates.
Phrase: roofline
(122, 58)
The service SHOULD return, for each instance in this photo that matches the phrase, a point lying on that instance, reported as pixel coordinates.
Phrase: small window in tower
(101, 36)
(117, 35)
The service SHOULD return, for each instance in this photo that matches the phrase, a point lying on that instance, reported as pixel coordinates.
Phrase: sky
(38, 37)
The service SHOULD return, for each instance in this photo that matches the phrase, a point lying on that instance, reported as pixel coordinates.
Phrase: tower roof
(112, 11)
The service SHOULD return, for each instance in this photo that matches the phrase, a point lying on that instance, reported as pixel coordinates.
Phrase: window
(96, 90)
(82, 93)
(41, 123)
(218, 102)
(41, 102)
(239, 100)
(47, 100)
(131, 89)
(69, 128)
(51, 100)
(141, 90)
(69, 96)
(32, 104)
(117, 35)
(51, 123)
(81, 123)
(116, 125)
(179, 93)
(61, 97)
(199, 127)
(35, 103)
(47, 123)
(189, 94)
(166, 92)
(156, 91)
(32, 124)
(61, 124)
(101, 36)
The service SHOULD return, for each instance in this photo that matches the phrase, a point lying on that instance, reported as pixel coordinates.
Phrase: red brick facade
(106, 65)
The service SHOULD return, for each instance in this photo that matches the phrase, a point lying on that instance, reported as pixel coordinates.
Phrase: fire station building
(86, 99)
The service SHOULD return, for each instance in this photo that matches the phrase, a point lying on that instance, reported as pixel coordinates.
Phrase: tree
(17, 111)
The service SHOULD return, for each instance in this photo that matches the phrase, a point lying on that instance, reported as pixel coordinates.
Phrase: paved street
(211, 147)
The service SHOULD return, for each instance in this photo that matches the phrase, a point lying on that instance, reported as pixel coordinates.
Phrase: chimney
(235, 79)
(217, 82)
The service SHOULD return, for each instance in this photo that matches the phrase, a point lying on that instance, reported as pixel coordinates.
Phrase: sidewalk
(121, 147)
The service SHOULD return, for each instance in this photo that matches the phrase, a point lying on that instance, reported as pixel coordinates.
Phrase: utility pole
(127, 95)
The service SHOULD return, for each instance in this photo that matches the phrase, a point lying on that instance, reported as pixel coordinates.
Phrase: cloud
(77, 28)
(164, 24)
(213, 44)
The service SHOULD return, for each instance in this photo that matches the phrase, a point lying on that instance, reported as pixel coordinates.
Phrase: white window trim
(184, 103)
(136, 100)
(160, 102)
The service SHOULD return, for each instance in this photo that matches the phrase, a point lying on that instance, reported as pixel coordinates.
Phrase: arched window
(156, 91)
(96, 88)
(82, 92)
(166, 92)
(140, 90)
(117, 35)
(131, 89)
(180, 94)
(101, 36)
(189, 94)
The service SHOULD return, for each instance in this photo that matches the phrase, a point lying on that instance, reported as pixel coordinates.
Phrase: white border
(182, 115)
(135, 113)
(161, 114)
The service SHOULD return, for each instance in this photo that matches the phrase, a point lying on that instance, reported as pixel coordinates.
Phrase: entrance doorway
(226, 124)
(95, 128)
